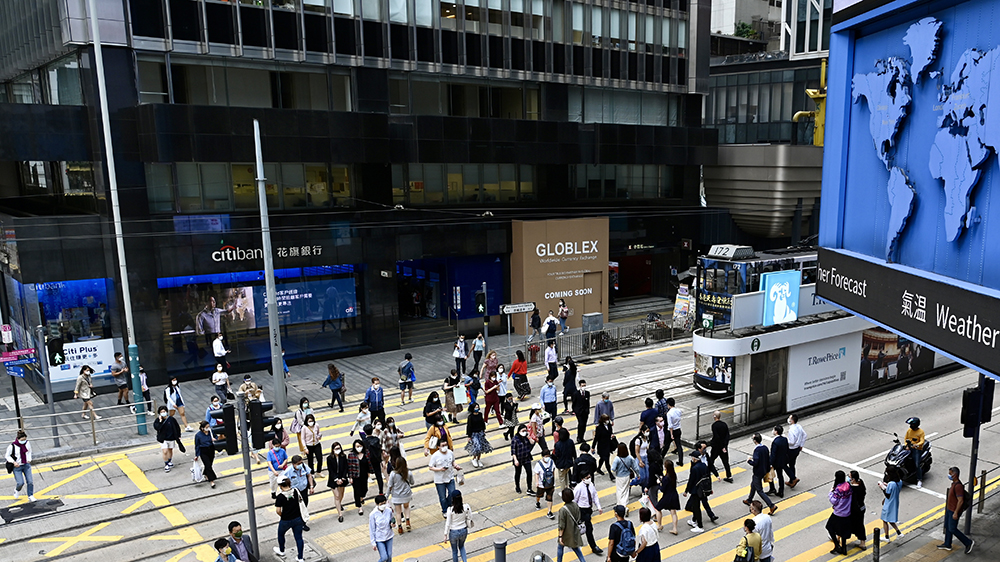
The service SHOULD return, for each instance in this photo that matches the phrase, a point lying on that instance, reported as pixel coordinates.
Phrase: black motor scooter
(903, 459)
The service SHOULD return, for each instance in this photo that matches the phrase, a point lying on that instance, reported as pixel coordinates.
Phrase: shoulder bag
(747, 554)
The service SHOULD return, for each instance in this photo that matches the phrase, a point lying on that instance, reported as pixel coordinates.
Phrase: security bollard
(876, 544)
(500, 550)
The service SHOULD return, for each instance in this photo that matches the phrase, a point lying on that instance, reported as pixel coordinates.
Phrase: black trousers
(677, 442)
(585, 515)
(476, 356)
(360, 486)
(305, 495)
(207, 455)
(553, 409)
(315, 452)
(378, 415)
(604, 460)
(694, 506)
(793, 455)
(527, 476)
(780, 475)
(460, 364)
(581, 426)
(718, 453)
(757, 487)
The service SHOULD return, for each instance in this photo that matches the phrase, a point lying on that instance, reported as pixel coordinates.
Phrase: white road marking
(848, 465)
(884, 453)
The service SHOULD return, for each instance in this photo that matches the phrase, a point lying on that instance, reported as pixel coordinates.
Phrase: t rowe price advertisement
(956, 318)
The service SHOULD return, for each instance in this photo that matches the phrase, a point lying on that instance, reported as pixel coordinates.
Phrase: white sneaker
(920, 484)
(86, 417)
(900, 535)
(697, 530)
(884, 538)
(31, 498)
(300, 560)
(17, 494)
(97, 417)
(279, 552)
(692, 523)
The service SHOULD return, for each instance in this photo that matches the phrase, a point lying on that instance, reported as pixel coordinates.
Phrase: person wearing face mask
(475, 430)
(216, 404)
(84, 390)
(461, 354)
(659, 437)
(380, 529)
(491, 363)
(604, 408)
(586, 497)
(509, 410)
(312, 438)
(442, 464)
(454, 397)
(478, 347)
(432, 408)
(175, 401)
(536, 426)
(401, 491)
(552, 359)
(204, 449)
(473, 385)
(19, 455)
(519, 370)
(335, 382)
(391, 436)
(225, 551)
(363, 419)
(438, 433)
(520, 454)
(299, 421)
(605, 444)
(458, 521)
(581, 409)
(220, 379)
(286, 504)
(280, 433)
(167, 431)
(277, 462)
(373, 449)
(407, 376)
(638, 448)
(302, 480)
(336, 466)
(569, 384)
(549, 399)
(375, 398)
(358, 468)
(250, 389)
(241, 545)
(491, 394)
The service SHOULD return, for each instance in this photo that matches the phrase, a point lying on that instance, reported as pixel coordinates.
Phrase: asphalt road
(122, 506)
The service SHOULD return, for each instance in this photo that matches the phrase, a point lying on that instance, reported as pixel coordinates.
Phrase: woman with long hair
(358, 468)
(432, 408)
(890, 487)
(335, 382)
(669, 500)
(400, 482)
(311, 437)
(536, 425)
(475, 429)
(520, 454)
(604, 435)
(838, 525)
(519, 370)
(457, 522)
(391, 436)
(336, 466)
(857, 517)
(624, 468)
(451, 382)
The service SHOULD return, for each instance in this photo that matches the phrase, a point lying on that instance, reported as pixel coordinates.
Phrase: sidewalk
(117, 429)
(924, 534)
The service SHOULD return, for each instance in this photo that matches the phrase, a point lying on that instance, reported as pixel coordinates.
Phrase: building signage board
(561, 259)
(781, 296)
(98, 354)
(946, 315)
(822, 370)
(517, 308)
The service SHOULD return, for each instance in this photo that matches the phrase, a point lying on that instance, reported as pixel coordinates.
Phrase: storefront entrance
(768, 373)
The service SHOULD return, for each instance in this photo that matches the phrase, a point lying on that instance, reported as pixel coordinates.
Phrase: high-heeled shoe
(408, 527)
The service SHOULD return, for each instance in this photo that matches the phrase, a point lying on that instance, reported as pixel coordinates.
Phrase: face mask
(173, 383)
(163, 414)
(381, 507)
(238, 534)
(550, 383)
(524, 433)
(435, 400)
(246, 380)
(950, 478)
(305, 406)
(659, 424)
(312, 424)
(444, 449)
(359, 449)
(227, 551)
(277, 426)
(215, 405)
(440, 423)
(475, 410)
(583, 387)
(378, 426)
(375, 386)
(22, 441)
(607, 400)
(392, 424)
(337, 451)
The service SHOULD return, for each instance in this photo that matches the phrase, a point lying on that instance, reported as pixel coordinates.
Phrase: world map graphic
(965, 136)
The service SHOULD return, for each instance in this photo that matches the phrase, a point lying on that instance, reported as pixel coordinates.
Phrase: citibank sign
(233, 253)
(566, 248)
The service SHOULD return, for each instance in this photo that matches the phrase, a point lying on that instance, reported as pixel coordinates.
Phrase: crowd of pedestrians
(633, 453)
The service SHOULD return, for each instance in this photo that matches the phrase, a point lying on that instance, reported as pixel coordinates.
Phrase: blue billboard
(308, 301)
(781, 296)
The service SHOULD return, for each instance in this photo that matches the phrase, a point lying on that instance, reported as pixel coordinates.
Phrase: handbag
(10, 467)
(582, 527)
(180, 446)
(432, 444)
(747, 555)
(461, 478)
(769, 477)
(455, 353)
(304, 511)
(197, 473)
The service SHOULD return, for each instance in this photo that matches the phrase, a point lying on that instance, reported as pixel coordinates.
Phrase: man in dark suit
(241, 546)
(761, 463)
(779, 460)
(697, 473)
(720, 446)
(659, 437)
(581, 408)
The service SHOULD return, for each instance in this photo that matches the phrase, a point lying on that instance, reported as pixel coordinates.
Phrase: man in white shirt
(674, 427)
(219, 350)
(586, 497)
(442, 464)
(552, 360)
(796, 440)
(764, 529)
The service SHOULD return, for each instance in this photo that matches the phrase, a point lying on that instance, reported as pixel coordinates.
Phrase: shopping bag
(197, 473)
(302, 508)
(461, 397)
(769, 477)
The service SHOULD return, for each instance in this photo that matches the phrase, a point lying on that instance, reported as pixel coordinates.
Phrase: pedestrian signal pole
(247, 477)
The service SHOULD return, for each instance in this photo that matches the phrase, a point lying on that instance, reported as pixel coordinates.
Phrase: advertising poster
(682, 305)
(309, 301)
(822, 370)
(781, 296)
(887, 357)
(713, 374)
(99, 354)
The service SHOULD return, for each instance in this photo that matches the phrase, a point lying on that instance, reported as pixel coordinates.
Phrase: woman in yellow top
(437, 432)
(915, 443)
(750, 540)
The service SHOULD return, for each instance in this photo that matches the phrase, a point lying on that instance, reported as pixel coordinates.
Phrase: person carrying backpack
(621, 537)
(545, 481)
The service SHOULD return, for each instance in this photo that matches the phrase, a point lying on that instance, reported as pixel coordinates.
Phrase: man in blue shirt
(549, 399)
(302, 480)
(648, 416)
(375, 398)
(277, 461)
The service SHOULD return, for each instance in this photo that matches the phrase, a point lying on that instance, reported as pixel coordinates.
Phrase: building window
(152, 82)
(461, 184)
(62, 80)
(160, 188)
(623, 181)
(26, 88)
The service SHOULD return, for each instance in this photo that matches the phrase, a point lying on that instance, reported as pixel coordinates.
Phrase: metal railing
(586, 344)
(34, 426)
(734, 415)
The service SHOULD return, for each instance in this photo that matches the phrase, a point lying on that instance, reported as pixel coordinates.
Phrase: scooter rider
(915, 443)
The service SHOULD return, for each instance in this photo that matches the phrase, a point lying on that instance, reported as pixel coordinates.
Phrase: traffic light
(481, 303)
(260, 425)
(226, 416)
(969, 416)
